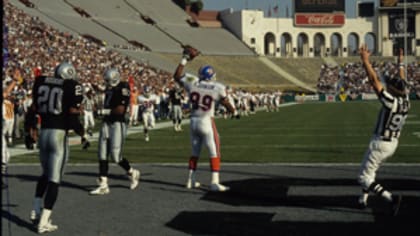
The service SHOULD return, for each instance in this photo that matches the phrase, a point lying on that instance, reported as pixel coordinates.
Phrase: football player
(114, 131)
(175, 98)
(147, 102)
(6, 119)
(204, 92)
(395, 105)
(88, 108)
(57, 100)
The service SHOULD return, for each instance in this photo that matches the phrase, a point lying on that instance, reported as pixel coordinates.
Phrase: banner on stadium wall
(330, 98)
(306, 98)
(319, 19)
(400, 28)
(369, 96)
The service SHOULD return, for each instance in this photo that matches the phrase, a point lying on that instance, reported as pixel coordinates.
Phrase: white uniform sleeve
(188, 80)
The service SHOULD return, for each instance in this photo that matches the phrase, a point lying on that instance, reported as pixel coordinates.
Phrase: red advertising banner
(319, 19)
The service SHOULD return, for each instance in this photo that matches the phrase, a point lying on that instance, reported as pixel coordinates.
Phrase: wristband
(183, 61)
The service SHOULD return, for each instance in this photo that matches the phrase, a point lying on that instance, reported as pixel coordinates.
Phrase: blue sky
(264, 5)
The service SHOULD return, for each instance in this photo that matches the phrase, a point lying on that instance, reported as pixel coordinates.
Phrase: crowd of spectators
(351, 78)
(36, 48)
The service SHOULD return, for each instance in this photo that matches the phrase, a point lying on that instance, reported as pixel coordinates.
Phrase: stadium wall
(284, 37)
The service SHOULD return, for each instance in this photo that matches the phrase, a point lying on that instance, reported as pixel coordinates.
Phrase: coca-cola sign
(319, 19)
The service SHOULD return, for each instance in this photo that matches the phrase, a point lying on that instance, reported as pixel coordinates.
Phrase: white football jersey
(148, 102)
(203, 95)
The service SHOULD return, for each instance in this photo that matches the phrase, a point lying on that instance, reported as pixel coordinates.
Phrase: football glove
(190, 53)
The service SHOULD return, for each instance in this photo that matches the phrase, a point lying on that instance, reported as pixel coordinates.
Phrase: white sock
(45, 216)
(215, 177)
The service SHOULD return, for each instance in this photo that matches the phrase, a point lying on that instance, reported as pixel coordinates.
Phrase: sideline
(75, 140)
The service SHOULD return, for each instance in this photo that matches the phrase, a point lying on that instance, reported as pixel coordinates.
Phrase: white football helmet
(112, 77)
(65, 70)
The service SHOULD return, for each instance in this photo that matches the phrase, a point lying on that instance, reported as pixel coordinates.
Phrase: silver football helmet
(112, 77)
(65, 70)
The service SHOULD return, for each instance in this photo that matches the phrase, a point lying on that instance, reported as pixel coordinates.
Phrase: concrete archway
(269, 44)
(319, 45)
(353, 43)
(286, 45)
(302, 45)
(370, 40)
(336, 45)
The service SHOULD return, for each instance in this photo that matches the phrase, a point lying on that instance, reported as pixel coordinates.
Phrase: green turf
(316, 132)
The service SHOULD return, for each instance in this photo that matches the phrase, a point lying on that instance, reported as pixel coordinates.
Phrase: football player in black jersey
(175, 98)
(392, 116)
(114, 131)
(57, 100)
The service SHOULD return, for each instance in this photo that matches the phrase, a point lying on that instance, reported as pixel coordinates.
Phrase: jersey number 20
(49, 100)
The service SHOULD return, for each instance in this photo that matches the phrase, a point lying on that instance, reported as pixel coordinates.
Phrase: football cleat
(48, 227)
(134, 178)
(102, 189)
(218, 188)
(362, 203)
(192, 184)
(34, 217)
(395, 204)
(146, 138)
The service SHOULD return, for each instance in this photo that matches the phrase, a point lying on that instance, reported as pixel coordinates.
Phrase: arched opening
(319, 45)
(286, 45)
(303, 45)
(370, 40)
(336, 45)
(269, 44)
(353, 42)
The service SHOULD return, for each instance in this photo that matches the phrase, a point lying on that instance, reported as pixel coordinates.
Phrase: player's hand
(401, 56)
(364, 53)
(190, 53)
(85, 143)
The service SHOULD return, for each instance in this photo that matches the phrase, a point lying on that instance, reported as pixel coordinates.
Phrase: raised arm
(401, 69)
(188, 54)
(371, 73)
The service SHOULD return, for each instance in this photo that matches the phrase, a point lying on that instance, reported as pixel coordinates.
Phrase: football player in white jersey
(204, 92)
(147, 102)
(392, 116)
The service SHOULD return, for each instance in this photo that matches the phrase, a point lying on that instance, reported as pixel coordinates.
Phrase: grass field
(314, 132)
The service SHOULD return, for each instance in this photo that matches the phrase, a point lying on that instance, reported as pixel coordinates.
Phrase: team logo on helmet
(206, 73)
(112, 77)
(65, 71)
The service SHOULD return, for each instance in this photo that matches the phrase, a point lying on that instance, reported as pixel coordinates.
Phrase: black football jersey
(53, 97)
(175, 96)
(114, 97)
